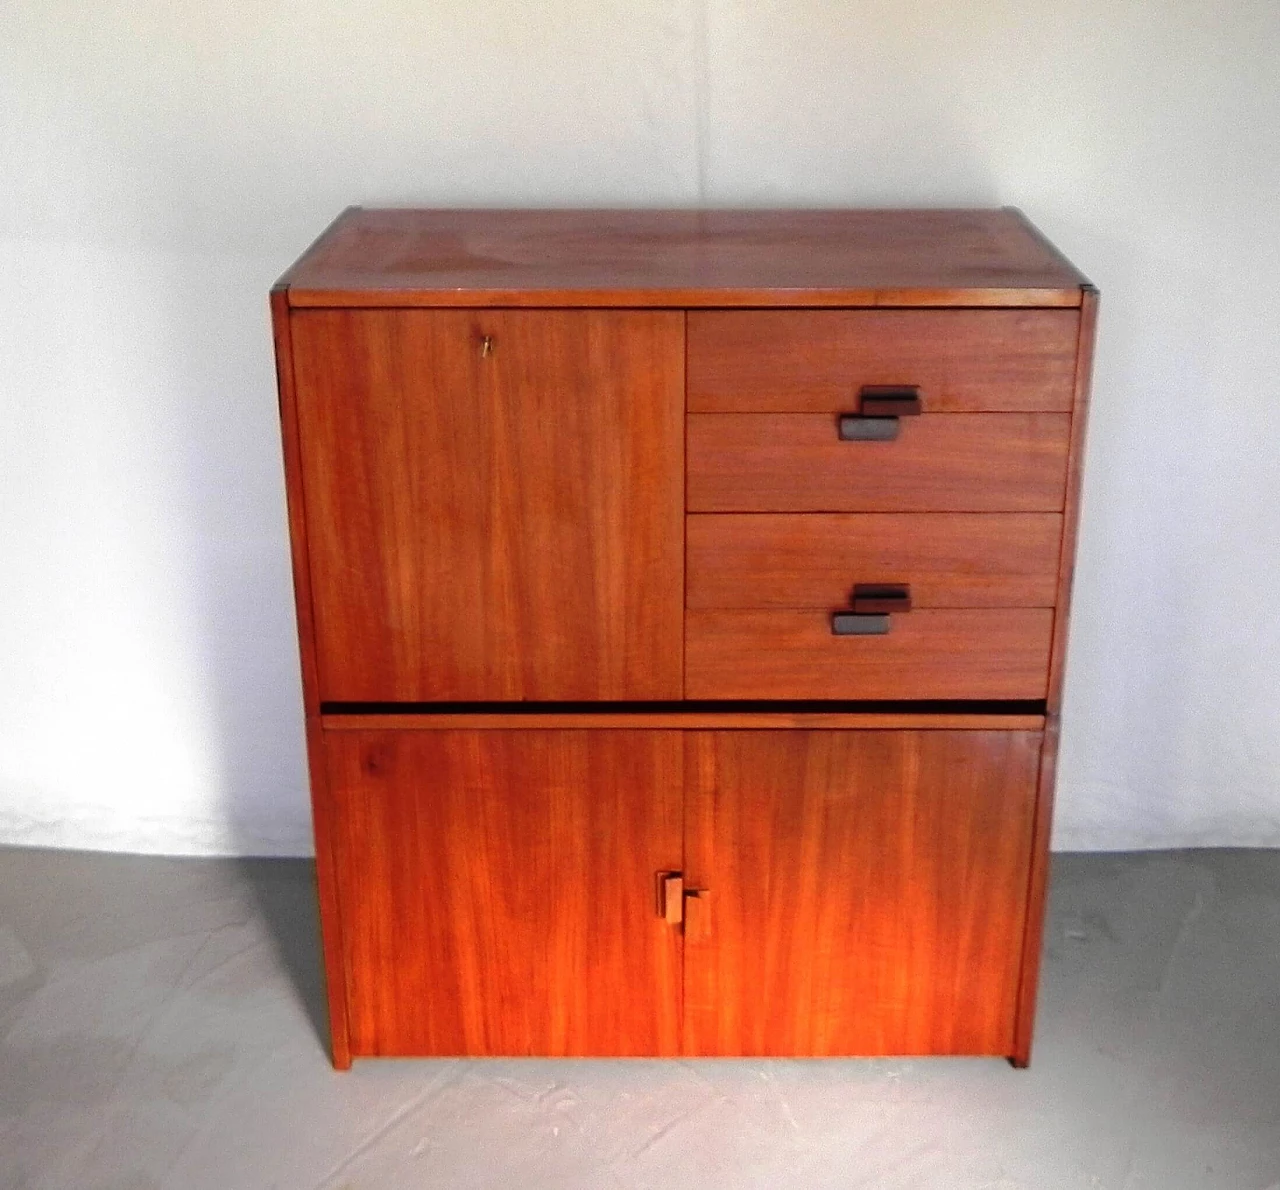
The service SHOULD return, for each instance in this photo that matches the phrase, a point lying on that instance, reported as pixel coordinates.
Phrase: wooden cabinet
(682, 600)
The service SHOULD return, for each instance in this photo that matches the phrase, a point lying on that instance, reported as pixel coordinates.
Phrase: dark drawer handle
(881, 598)
(854, 624)
(873, 604)
(867, 429)
(889, 400)
(879, 408)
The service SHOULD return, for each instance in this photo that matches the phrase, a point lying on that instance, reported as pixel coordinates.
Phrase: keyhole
(486, 347)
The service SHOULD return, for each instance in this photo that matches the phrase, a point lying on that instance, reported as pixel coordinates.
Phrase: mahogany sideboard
(682, 600)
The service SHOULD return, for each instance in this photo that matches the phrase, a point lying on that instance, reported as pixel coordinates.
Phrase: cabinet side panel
(501, 890)
(1039, 882)
(864, 891)
(1071, 512)
(330, 915)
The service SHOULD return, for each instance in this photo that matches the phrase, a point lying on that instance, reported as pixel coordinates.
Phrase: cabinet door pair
(847, 892)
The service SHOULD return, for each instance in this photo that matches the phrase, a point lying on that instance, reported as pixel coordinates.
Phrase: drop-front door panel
(498, 890)
(865, 890)
(494, 502)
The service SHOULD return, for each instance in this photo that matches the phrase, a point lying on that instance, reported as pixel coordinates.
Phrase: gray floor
(159, 1027)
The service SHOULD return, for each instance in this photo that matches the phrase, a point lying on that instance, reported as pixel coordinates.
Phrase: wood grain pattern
(499, 890)
(970, 653)
(494, 526)
(817, 361)
(865, 891)
(941, 462)
(1037, 893)
(683, 259)
(760, 560)
(321, 811)
(688, 720)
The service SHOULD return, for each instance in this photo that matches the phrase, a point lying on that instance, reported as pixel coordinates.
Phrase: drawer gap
(699, 706)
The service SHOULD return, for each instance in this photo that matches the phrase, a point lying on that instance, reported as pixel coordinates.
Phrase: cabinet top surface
(682, 258)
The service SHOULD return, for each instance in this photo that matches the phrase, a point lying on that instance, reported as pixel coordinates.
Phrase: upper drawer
(816, 361)
(940, 462)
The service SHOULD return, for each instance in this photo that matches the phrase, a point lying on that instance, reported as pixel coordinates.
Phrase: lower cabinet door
(497, 890)
(863, 891)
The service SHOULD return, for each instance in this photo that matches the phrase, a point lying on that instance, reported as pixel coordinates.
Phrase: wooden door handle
(680, 906)
(697, 916)
(671, 897)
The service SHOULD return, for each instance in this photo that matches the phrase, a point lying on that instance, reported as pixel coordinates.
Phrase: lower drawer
(939, 653)
(949, 559)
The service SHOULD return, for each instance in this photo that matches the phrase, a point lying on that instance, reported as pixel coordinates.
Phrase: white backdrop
(162, 161)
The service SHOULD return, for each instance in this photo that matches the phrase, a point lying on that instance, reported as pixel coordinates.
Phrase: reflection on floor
(160, 1026)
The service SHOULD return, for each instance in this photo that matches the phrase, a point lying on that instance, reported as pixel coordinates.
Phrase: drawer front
(764, 560)
(940, 462)
(815, 361)
(942, 653)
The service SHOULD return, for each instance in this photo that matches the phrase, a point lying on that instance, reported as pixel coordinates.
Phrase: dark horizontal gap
(354, 303)
(1028, 706)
